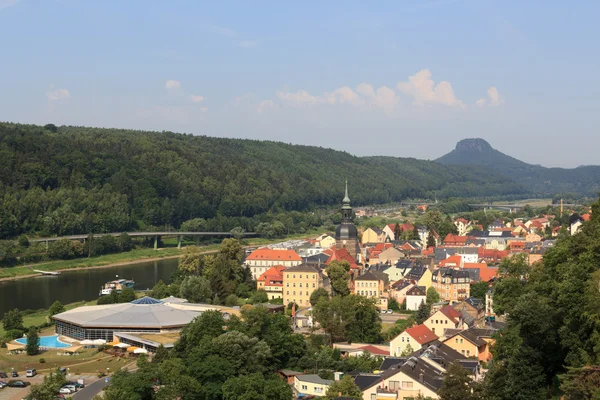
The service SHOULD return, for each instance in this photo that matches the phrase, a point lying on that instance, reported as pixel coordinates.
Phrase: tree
(196, 289)
(231, 300)
(56, 308)
(191, 261)
(432, 296)
(423, 313)
(12, 319)
(162, 354)
(259, 297)
(397, 231)
(160, 290)
(127, 295)
(237, 232)
(346, 387)
(338, 273)
(353, 318)
(457, 385)
(393, 305)
(125, 242)
(23, 241)
(316, 295)
(430, 239)
(33, 342)
(256, 387)
(208, 325)
(48, 388)
(479, 290)
(408, 350)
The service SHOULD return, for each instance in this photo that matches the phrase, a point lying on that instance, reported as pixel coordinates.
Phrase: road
(88, 392)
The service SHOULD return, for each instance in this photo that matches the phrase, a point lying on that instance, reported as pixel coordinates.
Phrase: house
(462, 226)
(288, 375)
(497, 224)
(455, 261)
(373, 285)
(455, 240)
(420, 275)
(298, 284)
(533, 237)
(311, 385)
(415, 297)
(398, 270)
(575, 223)
(271, 281)
(264, 258)
(405, 227)
(411, 339)
(473, 342)
(325, 241)
(486, 273)
(399, 289)
(474, 308)
(445, 318)
(452, 285)
(390, 256)
(357, 349)
(373, 235)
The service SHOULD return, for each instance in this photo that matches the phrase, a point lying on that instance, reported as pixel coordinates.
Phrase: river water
(77, 285)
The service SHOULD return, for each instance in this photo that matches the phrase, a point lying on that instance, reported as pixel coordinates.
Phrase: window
(407, 384)
(318, 389)
(313, 285)
(288, 292)
(294, 293)
(294, 276)
(287, 284)
(300, 284)
(468, 352)
(294, 284)
(394, 385)
(304, 387)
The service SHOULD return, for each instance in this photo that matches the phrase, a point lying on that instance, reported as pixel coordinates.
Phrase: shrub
(13, 334)
(42, 360)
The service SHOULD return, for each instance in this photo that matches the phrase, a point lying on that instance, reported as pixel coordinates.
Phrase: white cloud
(204, 109)
(58, 94)
(8, 3)
(172, 84)
(424, 90)
(493, 99)
(383, 97)
(265, 104)
(196, 99)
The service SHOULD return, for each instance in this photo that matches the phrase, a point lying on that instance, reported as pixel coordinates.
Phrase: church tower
(346, 235)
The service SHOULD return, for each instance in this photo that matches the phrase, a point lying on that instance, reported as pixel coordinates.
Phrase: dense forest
(68, 180)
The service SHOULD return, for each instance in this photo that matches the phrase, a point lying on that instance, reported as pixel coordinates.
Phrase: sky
(403, 78)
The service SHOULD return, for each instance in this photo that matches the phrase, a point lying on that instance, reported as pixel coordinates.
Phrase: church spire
(346, 198)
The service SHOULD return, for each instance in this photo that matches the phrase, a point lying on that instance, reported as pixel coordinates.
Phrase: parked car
(2, 385)
(76, 384)
(31, 373)
(14, 374)
(72, 387)
(3, 375)
(18, 384)
(65, 390)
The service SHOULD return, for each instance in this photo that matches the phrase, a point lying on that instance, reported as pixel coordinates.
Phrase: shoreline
(110, 265)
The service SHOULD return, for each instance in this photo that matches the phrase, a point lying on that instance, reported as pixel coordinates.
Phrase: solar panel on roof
(146, 300)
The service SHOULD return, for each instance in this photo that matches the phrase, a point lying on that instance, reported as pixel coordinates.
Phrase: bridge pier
(179, 241)
(155, 242)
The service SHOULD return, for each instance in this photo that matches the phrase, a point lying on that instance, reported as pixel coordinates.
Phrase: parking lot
(13, 393)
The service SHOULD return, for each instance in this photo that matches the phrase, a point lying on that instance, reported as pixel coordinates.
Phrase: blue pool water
(50, 342)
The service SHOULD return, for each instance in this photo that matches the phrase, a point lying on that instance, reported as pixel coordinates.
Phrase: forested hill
(76, 180)
(540, 180)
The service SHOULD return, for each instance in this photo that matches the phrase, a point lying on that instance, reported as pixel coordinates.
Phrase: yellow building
(445, 318)
(412, 339)
(298, 284)
(311, 385)
(373, 235)
(472, 343)
(421, 275)
(453, 285)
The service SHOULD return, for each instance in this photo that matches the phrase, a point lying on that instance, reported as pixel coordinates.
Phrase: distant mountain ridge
(536, 178)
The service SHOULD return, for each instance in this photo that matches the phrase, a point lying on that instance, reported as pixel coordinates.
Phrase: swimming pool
(50, 342)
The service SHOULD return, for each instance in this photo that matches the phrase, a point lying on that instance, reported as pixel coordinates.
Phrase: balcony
(386, 394)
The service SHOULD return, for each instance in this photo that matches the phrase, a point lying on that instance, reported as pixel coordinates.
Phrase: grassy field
(39, 317)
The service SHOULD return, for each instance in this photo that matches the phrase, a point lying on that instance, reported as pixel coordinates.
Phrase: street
(88, 392)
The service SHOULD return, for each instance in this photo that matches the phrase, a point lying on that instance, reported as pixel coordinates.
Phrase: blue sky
(405, 78)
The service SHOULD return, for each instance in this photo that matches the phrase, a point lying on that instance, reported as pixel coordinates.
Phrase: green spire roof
(346, 198)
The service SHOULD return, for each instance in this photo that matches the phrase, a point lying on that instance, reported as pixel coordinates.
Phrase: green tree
(423, 313)
(196, 289)
(23, 241)
(209, 325)
(125, 242)
(259, 297)
(160, 290)
(338, 273)
(353, 318)
(48, 388)
(162, 354)
(33, 342)
(56, 308)
(127, 295)
(479, 290)
(190, 262)
(430, 239)
(256, 387)
(316, 295)
(346, 387)
(12, 319)
(432, 296)
(457, 385)
(408, 350)
(231, 300)
(397, 231)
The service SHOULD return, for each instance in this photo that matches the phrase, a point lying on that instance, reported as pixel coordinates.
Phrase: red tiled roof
(455, 260)
(451, 313)
(340, 255)
(455, 239)
(405, 226)
(464, 221)
(274, 273)
(421, 334)
(375, 350)
(428, 252)
(265, 253)
(485, 273)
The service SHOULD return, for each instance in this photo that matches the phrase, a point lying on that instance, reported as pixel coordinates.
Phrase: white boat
(117, 285)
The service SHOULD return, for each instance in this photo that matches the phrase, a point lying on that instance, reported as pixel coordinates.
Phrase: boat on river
(117, 285)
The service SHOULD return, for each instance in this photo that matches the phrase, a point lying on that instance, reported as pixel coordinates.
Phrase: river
(77, 285)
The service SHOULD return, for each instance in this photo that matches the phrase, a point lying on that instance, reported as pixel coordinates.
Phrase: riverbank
(130, 257)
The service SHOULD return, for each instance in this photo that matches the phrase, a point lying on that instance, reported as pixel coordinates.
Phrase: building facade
(260, 260)
(298, 284)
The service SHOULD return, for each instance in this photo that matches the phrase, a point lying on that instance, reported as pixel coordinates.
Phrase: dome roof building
(346, 234)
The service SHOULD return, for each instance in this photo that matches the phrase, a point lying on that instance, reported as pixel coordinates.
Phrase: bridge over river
(155, 235)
